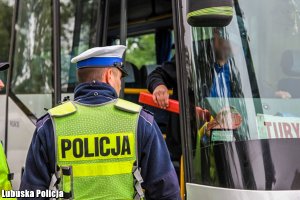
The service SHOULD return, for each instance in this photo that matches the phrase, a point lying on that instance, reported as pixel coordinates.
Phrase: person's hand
(161, 96)
(1, 85)
(283, 94)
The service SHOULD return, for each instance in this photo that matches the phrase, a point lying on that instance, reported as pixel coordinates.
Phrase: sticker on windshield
(273, 127)
(220, 135)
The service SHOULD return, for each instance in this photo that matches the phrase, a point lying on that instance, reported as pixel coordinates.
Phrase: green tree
(141, 50)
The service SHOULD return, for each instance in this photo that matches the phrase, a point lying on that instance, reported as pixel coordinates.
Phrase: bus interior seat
(160, 116)
(132, 80)
(290, 63)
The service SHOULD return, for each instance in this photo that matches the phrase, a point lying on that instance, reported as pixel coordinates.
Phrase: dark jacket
(166, 75)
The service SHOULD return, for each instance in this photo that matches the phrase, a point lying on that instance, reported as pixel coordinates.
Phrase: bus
(238, 59)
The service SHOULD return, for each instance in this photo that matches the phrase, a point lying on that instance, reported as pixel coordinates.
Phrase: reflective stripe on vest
(96, 150)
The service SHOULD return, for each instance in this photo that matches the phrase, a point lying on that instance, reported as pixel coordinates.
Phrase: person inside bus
(3, 66)
(158, 83)
(223, 78)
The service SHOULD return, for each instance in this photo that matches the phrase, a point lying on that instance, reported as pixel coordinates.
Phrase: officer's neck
(94, 88)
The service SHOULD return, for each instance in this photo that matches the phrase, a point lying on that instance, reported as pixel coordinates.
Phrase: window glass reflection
(78, 33)
(32, 58)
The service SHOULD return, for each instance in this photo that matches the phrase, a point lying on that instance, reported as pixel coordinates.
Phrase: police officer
(99, 146)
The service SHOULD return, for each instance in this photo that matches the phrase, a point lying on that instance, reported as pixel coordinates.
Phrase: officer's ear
(109, 76)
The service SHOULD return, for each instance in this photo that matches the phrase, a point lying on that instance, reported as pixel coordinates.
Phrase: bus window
(32, 57)
(80, 36)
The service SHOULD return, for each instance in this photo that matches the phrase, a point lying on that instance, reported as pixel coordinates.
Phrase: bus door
(149, 41)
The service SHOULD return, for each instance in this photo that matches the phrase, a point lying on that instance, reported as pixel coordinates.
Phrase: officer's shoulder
(63, 109)
(127, 106)
(40, 122)
(147, 116)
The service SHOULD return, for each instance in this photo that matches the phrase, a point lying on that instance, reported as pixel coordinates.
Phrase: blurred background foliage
(141, 50)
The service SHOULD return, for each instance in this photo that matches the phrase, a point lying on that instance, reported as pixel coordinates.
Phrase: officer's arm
(160, 180)
(37, 172)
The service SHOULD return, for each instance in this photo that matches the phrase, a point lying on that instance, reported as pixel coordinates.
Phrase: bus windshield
(245, 74)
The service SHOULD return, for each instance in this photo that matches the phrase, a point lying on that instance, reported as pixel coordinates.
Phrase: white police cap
(102, 57)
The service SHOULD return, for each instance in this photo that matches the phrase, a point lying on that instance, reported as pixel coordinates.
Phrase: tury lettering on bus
(278, 127)
(283, 130)
(96, 146)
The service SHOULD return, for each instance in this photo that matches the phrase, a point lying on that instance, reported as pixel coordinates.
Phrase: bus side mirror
(209, 13)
